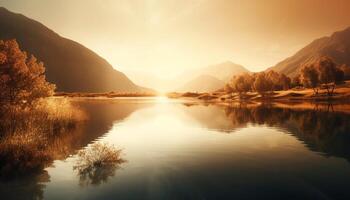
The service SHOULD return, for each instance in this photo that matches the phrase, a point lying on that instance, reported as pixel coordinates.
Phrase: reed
(26, 134)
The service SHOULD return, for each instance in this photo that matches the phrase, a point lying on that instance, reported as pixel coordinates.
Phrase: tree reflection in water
(24, 157)
(321, 130)
(97, 163)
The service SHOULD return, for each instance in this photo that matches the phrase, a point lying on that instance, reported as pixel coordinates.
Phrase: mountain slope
(203, 83)
(222, 71)
(71, 66)
(210, 78)
(337, 46)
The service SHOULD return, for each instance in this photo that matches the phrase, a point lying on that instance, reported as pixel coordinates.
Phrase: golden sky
(166, 37)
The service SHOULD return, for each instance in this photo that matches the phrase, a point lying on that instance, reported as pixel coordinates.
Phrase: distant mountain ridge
(217, 74)
(336, 46)
(210, 78)
(70, 65)
(222, 71)
(203, 83)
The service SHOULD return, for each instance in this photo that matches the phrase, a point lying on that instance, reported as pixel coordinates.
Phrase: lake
(190, 150)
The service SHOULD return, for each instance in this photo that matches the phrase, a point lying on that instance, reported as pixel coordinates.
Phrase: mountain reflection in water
(191, 151)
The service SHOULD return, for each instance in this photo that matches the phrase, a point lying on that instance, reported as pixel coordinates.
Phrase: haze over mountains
(75, 68)
(336, 46)
(205, 79)
(210, 78)
(70, 65)
(202, 83)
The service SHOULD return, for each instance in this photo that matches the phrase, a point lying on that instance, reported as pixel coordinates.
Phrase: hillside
(337, 46)
(70, 65)
(203, 83)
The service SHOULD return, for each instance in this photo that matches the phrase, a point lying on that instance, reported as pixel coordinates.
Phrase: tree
(329, 74)
(242, 83)
(296, 81)
(274, 78)
(285, 82)
(279, 81)
(309, 77)
(22, 79)
(262, 83)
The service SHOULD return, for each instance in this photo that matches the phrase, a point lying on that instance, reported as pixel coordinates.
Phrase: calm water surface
(180, 150)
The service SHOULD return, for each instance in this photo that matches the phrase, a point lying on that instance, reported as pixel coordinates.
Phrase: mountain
(210, 78)
(203, 83)
(222, 71)
(70, 65)
(218, 74)
(336, 46)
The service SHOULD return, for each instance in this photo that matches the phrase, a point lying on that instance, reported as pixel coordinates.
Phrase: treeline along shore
(321, 80)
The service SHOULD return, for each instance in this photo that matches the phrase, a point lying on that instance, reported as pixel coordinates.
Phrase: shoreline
(296, 95)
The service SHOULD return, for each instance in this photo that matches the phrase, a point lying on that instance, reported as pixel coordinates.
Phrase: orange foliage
(22, 78)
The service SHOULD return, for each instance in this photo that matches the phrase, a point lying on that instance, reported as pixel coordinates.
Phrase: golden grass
(97, 163)
(26, 134)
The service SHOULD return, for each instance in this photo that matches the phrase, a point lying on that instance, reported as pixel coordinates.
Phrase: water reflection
(317, 125)
(320, 129)
(25, 187)
(23, 158)
(192, 151)
(97, 163)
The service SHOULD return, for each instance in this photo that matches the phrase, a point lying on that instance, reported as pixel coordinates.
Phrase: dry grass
(49, 116)
(97, 163)
(26, 133)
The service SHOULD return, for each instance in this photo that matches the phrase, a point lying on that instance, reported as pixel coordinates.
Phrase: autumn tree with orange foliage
(242, 83)
(262, 83)
(309, 77)
(279, 81)
(22, 79)
(329, 74)
(323, 72)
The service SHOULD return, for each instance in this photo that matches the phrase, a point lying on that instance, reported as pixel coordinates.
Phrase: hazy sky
(165, 37)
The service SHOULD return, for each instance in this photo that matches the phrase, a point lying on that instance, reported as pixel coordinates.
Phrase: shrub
(97, 163)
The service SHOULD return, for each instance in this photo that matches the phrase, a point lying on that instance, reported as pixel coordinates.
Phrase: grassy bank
(341, 94)
(28, 134)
